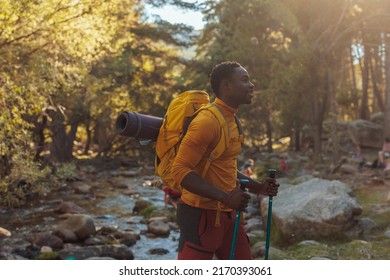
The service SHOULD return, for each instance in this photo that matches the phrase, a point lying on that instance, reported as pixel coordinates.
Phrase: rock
(158, 219)
(7, 256)
(348, 169)
(4, 232)
(253, 224)
(258, 234)
(173, 226)
(66, 235)
(320, 258)
(377, 181)
(314, 209)
(29, 252)
(309, 243)
(131, 173)
(46, 249)
(387, 233)
(158, 251)
(93, 241)
(80, 187)
(377, 118)
(106, 230)
(368, 225)
(302, 179)
(69, 208)
(47, 239)
(128, 239)
(81, 225)
(141, 205)
(118, 252)
(159, 228)
(121, 185)
(258, 250)
(366, 134)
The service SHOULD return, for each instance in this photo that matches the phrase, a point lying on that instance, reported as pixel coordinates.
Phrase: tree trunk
(89, 136)
(319, 109)
(39, 136)
(333, 116)
(364, 111)
(297, 137)
(354, 85)
(268, 125)
(61, 148)
(387, 97)
(377, 92)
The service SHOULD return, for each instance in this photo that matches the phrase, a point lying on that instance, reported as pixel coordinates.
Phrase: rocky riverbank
(118, 214)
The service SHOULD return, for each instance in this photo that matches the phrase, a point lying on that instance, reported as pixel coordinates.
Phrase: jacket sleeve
(203, 132)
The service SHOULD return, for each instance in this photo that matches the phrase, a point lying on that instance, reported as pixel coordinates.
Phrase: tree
(70, 66)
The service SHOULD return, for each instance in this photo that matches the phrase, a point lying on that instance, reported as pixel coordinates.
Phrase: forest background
(69, 67)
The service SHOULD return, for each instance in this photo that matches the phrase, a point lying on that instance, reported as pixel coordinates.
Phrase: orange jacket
(203, 134)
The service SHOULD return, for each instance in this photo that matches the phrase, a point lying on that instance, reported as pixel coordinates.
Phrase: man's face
(240, 87)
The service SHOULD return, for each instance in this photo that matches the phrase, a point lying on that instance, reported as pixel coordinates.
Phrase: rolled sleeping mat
(140, 126)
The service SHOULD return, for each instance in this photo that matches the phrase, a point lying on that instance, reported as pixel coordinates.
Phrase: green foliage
(66, 171)
(68, 68)
(148, 211)
(26, 178)
(354, 250)
(48, 256)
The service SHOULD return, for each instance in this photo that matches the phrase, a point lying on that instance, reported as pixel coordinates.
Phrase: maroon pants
(201, 239)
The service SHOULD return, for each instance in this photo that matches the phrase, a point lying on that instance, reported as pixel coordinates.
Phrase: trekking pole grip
(243, 183)
(272, 173)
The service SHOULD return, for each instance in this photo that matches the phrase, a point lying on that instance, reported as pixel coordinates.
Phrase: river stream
(112, 207)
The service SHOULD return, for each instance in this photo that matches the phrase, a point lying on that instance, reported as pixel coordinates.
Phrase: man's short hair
(221, 72)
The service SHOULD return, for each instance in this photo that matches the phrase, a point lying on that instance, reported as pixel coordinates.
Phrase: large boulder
(81, 225)
(316, 209)
(46, 239)
(80, 187)
(366, 134)
(159, 228)
(69, 207)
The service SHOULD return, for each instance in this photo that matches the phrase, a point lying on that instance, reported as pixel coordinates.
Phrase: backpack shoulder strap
(223, 142)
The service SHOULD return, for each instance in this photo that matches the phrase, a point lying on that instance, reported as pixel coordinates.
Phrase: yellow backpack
(181, 111)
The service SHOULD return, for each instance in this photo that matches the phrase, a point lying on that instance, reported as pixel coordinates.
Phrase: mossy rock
(148, 211)
(48, 256)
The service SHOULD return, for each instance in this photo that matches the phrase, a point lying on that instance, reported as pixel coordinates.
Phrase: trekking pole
(271, 174)
(243, 182)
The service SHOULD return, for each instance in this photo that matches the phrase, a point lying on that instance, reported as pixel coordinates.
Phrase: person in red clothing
(283, 163)
(207, 209)
(170, 196)
(249, 168)
(385, 153)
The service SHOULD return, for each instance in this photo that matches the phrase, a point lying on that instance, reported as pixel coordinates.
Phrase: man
(207, 210)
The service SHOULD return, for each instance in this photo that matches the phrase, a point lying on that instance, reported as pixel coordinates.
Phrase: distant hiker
(170, 196)
(385, 152)
(249, 168)
(357, 157)
(283, 163)
(207, 208)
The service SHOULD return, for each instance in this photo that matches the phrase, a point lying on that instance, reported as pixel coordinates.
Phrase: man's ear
(225, 84)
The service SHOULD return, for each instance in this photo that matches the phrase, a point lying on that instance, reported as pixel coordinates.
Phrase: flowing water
(108, 207)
